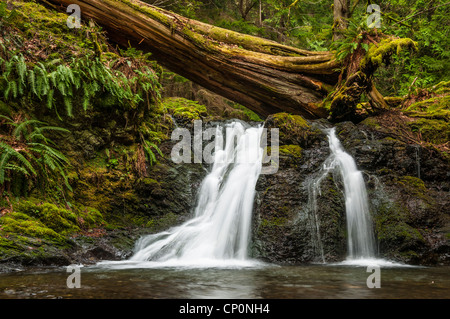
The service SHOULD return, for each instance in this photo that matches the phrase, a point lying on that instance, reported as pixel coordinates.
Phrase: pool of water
(318, 281)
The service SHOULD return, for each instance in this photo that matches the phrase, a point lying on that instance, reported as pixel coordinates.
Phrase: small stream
(317, 281)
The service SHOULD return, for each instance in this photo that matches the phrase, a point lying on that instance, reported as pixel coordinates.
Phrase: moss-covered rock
(293, 130)
(437, 107)
(293, 150)
(184, 110)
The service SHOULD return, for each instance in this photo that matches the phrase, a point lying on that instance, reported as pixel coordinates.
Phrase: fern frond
(9, 120)
(11, 88)
(50, 98)
(32, 83)
(7, 153)
(68, 105)
(16, 168)
(22, 129)
(42, 148)
(21, 68)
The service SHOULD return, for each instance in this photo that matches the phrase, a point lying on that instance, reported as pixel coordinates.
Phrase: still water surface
(261, 281)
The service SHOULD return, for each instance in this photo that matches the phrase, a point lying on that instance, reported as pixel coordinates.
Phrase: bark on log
(263, 75)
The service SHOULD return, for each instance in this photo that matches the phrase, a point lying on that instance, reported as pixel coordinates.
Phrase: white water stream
(360, 237)
(359, 224)
(219, 232)
(218, 235)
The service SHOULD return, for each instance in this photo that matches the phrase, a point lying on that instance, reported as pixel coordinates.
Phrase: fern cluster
(353, 39)
(79, 83)
(28, 157)
(149, 149)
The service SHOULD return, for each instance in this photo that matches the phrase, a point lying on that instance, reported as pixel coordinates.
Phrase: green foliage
(426, 23)
(59, 84)
(28, 155)
(241, 26)
(352, 40)
(149, 149)
(44, 63)
(187, 8)
(6, 16)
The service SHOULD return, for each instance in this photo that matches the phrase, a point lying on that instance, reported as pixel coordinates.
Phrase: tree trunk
(341, 14)
(263, 75)
(260, 14)
(245, 7)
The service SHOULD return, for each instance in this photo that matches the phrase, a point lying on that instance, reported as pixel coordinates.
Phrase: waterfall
(359, 225)
(313, 188)
(219, 231)
(360, 238)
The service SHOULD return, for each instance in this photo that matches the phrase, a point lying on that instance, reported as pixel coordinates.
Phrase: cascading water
(360, 240)
(219, 232)
(359, 226)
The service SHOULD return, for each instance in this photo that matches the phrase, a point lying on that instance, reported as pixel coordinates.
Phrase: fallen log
(263, 75)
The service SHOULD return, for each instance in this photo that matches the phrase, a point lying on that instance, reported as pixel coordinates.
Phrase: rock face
(408, 191)
(408, 194)
(407, 185)
(285, 228)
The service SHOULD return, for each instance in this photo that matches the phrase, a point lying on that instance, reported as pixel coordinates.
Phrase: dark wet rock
(408, 193)
(407, 185)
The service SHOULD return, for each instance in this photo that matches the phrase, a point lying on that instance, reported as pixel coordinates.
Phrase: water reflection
(279, 282)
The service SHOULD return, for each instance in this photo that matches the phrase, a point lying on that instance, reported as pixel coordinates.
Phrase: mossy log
(263, 75)
(357, 78)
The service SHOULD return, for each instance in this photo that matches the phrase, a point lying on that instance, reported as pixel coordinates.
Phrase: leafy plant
(353, 39)
(88, 78)
(426, 23)
(149, 147)
(28, 155)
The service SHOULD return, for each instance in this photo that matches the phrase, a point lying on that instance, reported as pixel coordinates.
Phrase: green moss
(150, 182)
(414, 186)
(249, 115)
(159, 224)
(184, 109)
(60, 220)
(431, 119)
(442, 87)
(47, 26)
(432, 131)
(292, 150)
(6, 244)
(156, 13)
(371, 122)
(90, 217)
(294, 129)
(393, 101)
(434, 108)
(30, 227)
(381, 52)
(274, 222)
(168, 220)
(392, 228)
(290, 121)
